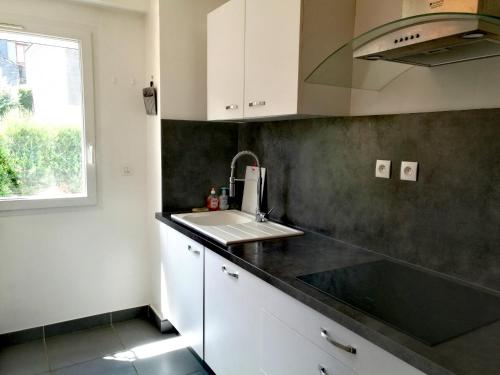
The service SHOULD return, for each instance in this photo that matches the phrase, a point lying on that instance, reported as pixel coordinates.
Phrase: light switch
(409, 170)
(127, 171)
(383, 169)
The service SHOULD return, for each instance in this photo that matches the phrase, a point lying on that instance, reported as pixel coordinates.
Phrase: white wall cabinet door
(225, 61)
(231, 318)
(183, 261)
(272, 43)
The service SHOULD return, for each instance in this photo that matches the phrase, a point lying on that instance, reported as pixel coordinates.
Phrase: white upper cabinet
(272, 38)
(225, 61)
(260, 52)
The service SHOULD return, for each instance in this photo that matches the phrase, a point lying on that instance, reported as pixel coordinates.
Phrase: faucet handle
(262, 216)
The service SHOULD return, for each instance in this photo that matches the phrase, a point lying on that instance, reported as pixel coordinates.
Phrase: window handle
(90, 154)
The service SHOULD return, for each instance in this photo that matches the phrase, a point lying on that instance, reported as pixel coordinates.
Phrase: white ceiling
(141, 6)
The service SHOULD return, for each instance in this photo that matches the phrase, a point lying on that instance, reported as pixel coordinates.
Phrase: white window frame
(84, 38)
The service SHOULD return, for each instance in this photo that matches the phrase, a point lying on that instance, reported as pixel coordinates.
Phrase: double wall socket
(409, 170)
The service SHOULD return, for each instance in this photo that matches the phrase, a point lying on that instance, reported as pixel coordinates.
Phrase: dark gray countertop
(278, 262)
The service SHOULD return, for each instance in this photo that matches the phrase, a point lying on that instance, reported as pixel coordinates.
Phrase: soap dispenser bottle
(213, 201)
(224, 199)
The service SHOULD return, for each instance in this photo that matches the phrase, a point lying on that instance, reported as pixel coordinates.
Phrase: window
(46, 121)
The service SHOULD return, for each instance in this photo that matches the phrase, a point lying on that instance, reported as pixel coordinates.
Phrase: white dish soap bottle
(224, 199)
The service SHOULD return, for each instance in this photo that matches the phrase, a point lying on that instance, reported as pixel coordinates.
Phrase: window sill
(34, 204)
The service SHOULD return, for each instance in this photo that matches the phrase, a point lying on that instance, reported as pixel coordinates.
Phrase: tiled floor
(133, 347)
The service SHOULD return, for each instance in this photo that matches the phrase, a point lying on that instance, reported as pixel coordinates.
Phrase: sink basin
(229, 227)
(217, 218)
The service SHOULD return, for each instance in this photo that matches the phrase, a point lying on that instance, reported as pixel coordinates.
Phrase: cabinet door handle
(229, 273)
(347, 348)
(194, 251)
(231, 107)
(257, 104)
(322, 370)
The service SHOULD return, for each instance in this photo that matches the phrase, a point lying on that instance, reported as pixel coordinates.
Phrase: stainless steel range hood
(430, 33)
(439, 42)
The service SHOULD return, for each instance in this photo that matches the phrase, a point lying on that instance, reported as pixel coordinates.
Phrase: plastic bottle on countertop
(213, 201)
(224, 199)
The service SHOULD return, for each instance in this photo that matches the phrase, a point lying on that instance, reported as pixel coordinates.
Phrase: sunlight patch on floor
(152, 349)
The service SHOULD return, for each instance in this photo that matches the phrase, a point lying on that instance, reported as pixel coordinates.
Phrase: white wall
(57, 265)
(176, 45)
(468, 85)
(183, 40)
(153, 127)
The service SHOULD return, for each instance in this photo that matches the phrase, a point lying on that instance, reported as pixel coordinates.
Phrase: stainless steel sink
(229, 227)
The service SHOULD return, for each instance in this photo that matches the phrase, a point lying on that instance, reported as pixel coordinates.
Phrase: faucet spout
(232, 181)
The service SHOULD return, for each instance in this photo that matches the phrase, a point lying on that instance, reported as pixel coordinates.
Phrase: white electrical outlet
(383, 169)
(409, 170)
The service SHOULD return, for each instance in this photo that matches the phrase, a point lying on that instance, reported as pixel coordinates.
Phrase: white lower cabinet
(231, 318)
(242, 325)
(252, 327)
(182, 260)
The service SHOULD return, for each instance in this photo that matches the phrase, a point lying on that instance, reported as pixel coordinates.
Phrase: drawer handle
(190, 248)
(322, 370)
(260, 103)
(229, 273)
(347, 348)
(231, 107)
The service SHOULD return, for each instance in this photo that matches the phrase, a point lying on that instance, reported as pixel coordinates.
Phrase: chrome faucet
(259, 215)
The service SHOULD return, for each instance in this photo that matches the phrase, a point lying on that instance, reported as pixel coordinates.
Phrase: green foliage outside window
(66, 159)
(6, 104)
(28, 150)
(25, 100)
(8, 177)
(38, 158)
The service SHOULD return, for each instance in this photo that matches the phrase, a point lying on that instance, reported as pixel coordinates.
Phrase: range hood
(430, 33)
(439, 42)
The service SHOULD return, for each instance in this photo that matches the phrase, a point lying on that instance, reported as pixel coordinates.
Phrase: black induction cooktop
(426, 306)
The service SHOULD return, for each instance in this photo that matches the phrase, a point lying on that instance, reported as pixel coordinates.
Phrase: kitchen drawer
(368, 359)
(285, 352)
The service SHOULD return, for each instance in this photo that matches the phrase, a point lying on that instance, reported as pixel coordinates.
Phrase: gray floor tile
(137, 332)
(24, 359)
(98, 367)
(201, 372)
(70, 349)
(179, 362)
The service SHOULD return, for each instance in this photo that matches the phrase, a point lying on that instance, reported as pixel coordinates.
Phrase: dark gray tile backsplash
(320, 176)
(195, 157)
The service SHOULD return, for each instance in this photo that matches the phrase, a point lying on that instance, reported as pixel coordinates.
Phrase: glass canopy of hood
(343, 69)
